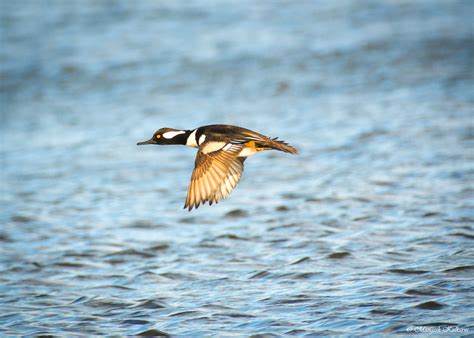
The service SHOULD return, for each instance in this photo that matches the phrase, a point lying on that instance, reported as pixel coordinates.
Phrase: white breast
(191, 141)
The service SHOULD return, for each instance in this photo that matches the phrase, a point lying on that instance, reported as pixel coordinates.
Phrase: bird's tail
(274, 143)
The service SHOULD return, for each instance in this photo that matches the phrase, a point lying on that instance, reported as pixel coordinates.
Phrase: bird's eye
(157, 136)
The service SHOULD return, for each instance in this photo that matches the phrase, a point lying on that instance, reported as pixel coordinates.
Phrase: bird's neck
(182, 138)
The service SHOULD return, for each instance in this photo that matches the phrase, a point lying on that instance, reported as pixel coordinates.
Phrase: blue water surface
(368, 230)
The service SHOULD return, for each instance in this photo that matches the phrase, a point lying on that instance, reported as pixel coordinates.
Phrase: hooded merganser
(220, 159)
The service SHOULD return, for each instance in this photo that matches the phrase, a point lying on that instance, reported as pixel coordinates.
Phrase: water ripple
(368, 231)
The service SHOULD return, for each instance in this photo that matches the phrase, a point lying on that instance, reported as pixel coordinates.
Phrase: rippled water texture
(368, 230)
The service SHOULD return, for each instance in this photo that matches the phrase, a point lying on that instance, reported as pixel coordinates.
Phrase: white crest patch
(191, 141)
(170, 134)
(202, 139)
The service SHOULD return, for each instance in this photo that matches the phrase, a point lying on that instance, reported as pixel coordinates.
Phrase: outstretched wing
(216, 172)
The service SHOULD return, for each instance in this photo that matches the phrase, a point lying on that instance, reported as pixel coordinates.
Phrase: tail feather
(282, 146)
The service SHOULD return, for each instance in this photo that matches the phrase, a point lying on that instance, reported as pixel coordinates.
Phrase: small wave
(338, 255)
(150, 304)
(69, 265)
(135, 322)
(131, 252)
(153, 333)
(301, 260)
(460, 268)
(422, 292)
(430, 305)
(462, 234)
(22, 219)
(233, 237)
(106, 303)
(184, 313)
(386, 312)
(260, 274)
(158, 247)
(236, 213)
(407, 271)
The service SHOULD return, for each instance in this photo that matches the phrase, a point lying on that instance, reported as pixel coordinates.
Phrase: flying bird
(219, 164)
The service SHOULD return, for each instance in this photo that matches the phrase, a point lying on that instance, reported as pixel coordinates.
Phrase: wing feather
(214, 177)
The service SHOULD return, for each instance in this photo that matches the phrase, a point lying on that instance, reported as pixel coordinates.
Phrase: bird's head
(167, 136)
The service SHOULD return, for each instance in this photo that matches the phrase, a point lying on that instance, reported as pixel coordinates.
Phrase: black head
(167, 136)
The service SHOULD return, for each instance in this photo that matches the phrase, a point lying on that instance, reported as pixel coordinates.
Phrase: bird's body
(220, 159)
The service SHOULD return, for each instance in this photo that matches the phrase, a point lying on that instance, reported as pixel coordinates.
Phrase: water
(368, 230)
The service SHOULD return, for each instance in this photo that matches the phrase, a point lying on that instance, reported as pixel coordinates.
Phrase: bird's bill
(150, 141)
